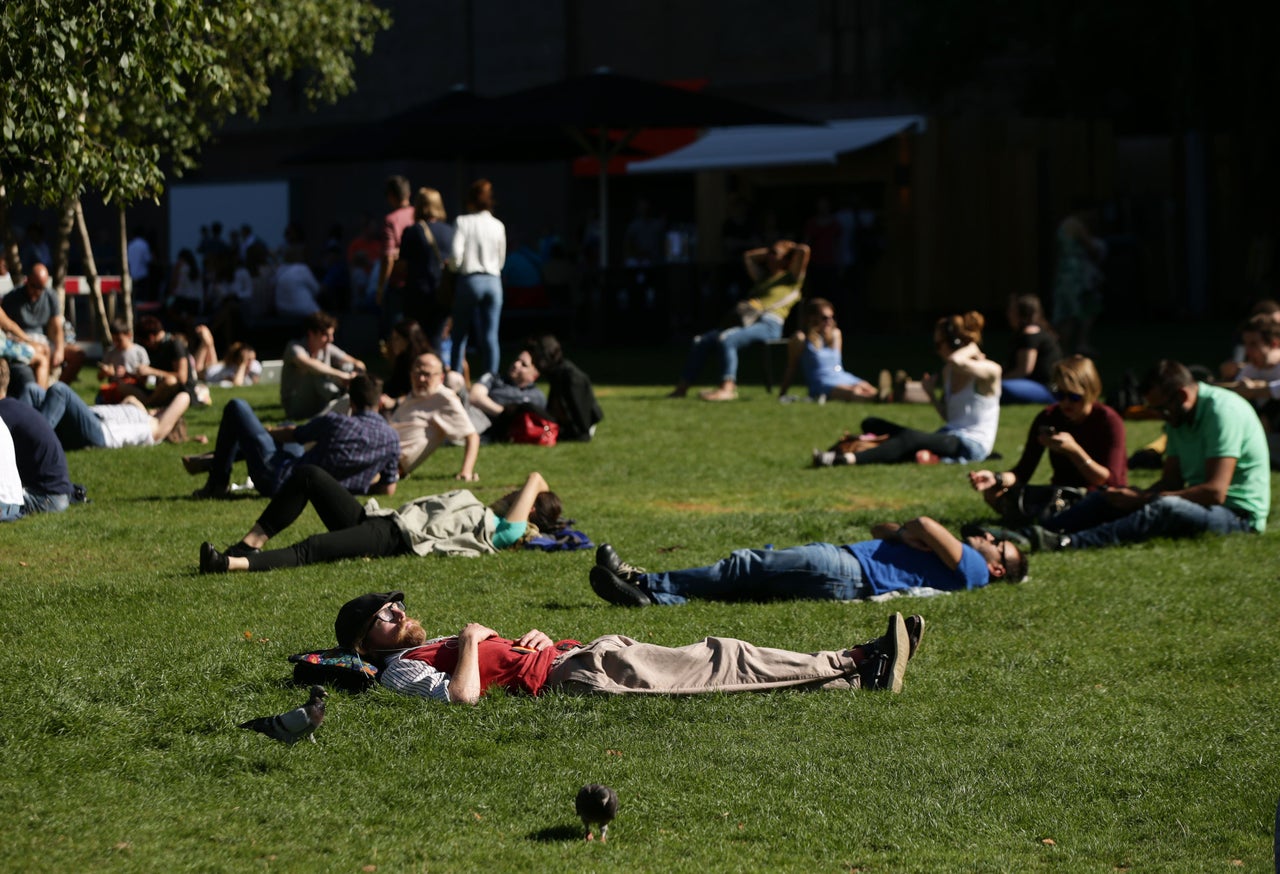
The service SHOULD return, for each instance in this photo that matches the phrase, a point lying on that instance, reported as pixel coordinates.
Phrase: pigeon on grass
(596, 805)
(293, 725)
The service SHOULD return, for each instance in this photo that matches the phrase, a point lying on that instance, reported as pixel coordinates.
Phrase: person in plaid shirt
(360, 450)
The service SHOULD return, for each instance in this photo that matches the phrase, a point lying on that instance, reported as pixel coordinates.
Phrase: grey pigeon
(293, 725)
(596, 805)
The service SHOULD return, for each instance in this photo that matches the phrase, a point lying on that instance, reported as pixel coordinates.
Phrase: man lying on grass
(460, 669)
(918, 553)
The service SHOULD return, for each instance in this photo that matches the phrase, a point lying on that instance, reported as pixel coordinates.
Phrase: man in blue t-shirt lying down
(917, 553)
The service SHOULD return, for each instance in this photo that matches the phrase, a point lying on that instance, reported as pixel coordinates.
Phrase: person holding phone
(1085, 442)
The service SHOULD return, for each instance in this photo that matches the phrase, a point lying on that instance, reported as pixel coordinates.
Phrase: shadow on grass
(557, 833)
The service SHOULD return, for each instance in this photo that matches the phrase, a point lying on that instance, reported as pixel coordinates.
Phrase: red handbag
(532, 428)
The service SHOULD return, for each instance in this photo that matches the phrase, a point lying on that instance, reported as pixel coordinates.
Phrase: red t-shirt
(502, 663)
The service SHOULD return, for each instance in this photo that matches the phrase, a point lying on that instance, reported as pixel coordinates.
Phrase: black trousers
(351, 534)
(904, 443)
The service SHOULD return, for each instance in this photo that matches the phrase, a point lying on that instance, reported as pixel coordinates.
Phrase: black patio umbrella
(454, 126)
(582, 110)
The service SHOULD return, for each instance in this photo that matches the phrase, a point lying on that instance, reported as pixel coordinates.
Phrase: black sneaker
(240, 549)
(885, 658)
(212, 561)
(1043, 540)
(616, 590)
(207, 492)
(1018, 537)
(607, 557)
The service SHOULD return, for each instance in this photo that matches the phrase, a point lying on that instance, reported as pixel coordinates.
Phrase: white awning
(728, 148)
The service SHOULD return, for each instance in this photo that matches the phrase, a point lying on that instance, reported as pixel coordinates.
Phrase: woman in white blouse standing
(479, 250)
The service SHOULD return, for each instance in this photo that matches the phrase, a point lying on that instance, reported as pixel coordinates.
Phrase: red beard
(409, 635)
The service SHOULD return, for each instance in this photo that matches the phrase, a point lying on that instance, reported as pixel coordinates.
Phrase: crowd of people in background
(438, 289)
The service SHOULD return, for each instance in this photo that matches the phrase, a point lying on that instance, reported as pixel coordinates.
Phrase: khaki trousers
(616, 665)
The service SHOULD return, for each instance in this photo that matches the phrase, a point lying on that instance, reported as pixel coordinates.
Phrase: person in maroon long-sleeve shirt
(1084, 438)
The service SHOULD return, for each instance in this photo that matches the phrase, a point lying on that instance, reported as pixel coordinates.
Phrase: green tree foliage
(103, 96)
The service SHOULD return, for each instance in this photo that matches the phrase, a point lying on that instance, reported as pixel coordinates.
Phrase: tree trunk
(91, 273)
(61, 251)
(126, 278)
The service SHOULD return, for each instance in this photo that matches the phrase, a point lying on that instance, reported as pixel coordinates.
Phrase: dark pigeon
(596, 805)
(293, 725)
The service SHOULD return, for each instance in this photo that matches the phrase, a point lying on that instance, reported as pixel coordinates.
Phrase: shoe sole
(897, 633)
(915, 631)
(196, 465)
(615, 590)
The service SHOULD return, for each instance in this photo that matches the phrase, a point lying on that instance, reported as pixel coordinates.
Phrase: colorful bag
(333, 667)
(529, 427)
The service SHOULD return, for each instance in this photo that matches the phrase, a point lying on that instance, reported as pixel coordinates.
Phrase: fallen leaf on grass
(1049, 842)
(1239, 863)
(23, 564)
(124, 845)
(369, 868)
(613, 752)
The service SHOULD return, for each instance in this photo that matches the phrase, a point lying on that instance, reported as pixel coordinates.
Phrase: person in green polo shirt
(1216, 477)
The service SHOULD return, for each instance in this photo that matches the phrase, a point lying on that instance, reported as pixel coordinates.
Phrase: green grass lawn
(1117, 711)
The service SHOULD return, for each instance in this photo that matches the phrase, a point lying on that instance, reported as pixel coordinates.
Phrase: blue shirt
(354, 449)
(888, 566)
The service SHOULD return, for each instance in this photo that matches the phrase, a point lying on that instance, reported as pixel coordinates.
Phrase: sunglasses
(386, 614)
(1059, 395)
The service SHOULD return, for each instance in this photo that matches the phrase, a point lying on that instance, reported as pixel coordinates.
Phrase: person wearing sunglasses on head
(461, 668)
(1216, 477)
(920, 553)
(1085, 442)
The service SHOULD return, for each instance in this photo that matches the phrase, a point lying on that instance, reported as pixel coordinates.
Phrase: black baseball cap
(356, 613)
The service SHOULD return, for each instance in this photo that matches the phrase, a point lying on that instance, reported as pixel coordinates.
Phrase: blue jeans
(478, 298)
(1166, 516)
(68, 415)
(728, 341)
(34, 502)
(10, 512)
(241, 435)
(816, 571)
(1024, 391)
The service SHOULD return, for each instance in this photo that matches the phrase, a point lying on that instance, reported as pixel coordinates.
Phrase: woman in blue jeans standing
(479, 250)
